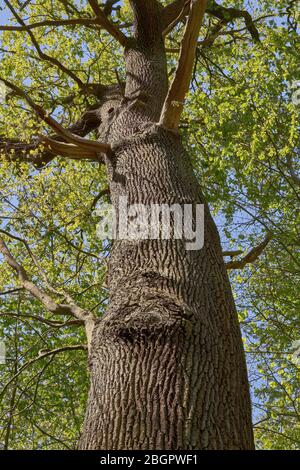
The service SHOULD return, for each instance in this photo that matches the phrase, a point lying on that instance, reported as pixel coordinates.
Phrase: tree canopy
(241, 126)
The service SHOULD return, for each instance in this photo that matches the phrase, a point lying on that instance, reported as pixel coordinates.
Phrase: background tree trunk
(167, 361)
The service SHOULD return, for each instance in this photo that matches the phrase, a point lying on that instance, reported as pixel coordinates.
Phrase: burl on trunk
(167, 362)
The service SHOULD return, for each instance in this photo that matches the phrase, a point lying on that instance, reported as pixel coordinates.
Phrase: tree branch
(229, 14)
(61, 309)
(109, 7)
(52, 23)
(174, 102)
(52, 323)
(79, 148)
(250, 257)
(107, 24)
(177, 10)
(43, 354)
(43, 149)
(292, 171)
(104, 192)
(173, 13)
(233, 253)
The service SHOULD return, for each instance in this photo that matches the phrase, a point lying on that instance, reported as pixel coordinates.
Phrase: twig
(42, 355)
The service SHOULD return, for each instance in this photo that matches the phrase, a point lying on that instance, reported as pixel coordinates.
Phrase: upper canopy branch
(230, 14)
(100, 20)
(107, 24)
(174, 102)
(177, 10)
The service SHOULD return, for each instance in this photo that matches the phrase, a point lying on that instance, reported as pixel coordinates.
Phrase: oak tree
(161, 103)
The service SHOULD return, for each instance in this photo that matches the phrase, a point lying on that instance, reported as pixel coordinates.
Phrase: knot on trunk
(152, 316)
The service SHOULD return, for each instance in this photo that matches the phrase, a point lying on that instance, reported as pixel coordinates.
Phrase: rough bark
(167, 362)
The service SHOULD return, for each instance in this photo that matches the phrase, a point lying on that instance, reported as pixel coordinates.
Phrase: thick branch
(80, 148)
(177, 10)
(174, 103)
(230, 14)
(250, 257)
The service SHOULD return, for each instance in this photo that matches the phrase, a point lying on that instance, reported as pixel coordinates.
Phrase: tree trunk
(167, 362)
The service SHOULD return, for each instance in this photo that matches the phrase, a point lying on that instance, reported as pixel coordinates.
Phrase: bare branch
(177, 10)
(232, 254)
(174, 103)
(90, 148)
(250, 257)
(43, 149)
(107, 24)
(52, 323)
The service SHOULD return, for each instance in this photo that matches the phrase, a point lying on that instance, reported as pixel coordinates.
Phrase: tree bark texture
(167, 362)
